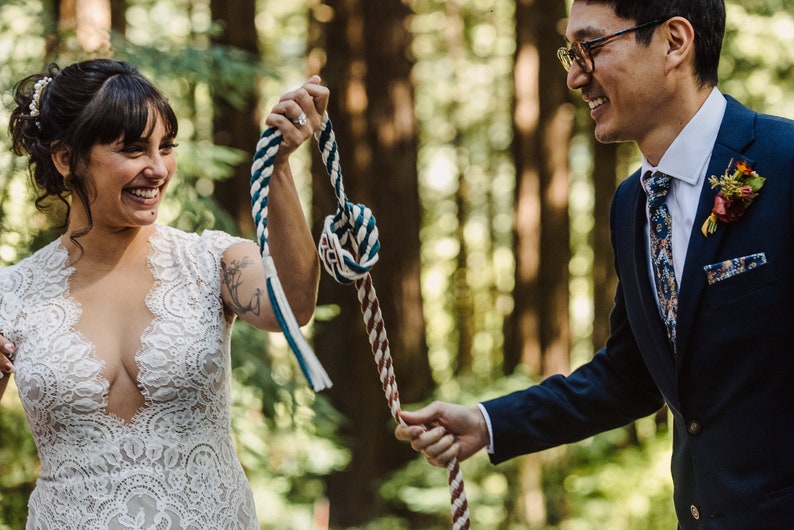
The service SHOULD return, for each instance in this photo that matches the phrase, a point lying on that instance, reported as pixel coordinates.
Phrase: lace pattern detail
(173, 466)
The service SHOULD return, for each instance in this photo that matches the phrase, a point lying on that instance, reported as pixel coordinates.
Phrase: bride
(118, 331)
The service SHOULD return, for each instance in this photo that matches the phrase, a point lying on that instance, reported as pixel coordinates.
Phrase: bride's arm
(290, 240)
(243, 287)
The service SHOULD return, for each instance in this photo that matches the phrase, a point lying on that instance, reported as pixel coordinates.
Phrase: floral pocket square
(723, 270)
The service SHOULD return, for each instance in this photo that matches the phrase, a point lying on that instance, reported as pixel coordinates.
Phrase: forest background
(456, 128)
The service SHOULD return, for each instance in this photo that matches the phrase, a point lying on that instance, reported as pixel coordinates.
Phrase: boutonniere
(737, 188)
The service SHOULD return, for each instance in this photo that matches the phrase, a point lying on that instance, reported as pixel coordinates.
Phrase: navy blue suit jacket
(730, 386)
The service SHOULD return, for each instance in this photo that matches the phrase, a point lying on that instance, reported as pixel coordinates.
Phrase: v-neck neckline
(90, 347)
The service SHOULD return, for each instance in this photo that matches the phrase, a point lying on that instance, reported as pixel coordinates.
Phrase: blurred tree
(369, 74)
(538, 331)
(462, 303)
(89, 21)
(604, 176)
(465, 58)
(118, 16)
(236, 123)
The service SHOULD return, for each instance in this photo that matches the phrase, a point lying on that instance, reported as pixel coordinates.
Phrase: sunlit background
(287, 437)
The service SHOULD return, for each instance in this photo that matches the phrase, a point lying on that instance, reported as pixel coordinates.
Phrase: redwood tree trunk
(605, 163)
(89, 20)
(538, 330)
(237, 127)
(368, 71)
(538, 333)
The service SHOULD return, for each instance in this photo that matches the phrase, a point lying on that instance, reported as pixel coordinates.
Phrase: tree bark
(237, 127)
(460, 288)
(605, 163)
(537, 334)
(90, 22)
(372, 110)
(118, 17)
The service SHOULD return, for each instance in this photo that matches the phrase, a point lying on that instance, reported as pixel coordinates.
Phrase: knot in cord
(349, 242)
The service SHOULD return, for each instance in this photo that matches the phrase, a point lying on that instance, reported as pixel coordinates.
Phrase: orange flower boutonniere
(738, 188)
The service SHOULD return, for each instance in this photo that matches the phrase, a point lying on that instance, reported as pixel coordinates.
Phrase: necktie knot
(656, 186)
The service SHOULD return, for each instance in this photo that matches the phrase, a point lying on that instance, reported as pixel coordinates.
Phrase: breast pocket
(733, 278)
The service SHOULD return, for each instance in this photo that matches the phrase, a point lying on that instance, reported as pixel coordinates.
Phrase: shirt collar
(690, 152)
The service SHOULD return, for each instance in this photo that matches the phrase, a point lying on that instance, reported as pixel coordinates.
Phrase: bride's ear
(61, 157)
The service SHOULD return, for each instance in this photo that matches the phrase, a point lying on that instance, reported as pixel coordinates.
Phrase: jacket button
(695, 512)
(694, 427)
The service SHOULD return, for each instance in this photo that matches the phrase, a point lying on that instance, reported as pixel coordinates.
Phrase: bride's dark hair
(87, 103)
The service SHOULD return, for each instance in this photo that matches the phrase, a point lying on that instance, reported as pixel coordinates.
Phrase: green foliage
(757, 61)
(18, 467)
(422, 492)
(286, 435)
(229, 73)
(21, 42)
(610, 481)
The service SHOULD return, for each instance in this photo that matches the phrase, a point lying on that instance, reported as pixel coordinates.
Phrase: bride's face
(130, 179)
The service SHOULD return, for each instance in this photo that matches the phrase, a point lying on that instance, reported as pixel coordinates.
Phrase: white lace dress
(173, 466)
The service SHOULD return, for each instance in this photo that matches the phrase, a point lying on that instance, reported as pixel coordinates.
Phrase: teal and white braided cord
(261, 171)
(349, 242)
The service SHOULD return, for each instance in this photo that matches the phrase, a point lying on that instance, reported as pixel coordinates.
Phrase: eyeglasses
(581, 51)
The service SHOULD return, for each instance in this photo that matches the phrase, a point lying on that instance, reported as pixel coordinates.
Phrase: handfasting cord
(348, 249)
(261, 171)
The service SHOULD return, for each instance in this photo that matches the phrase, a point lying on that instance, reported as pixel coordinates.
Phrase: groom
(704, 309)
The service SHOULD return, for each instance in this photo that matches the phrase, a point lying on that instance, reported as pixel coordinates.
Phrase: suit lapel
(649, 330)
(736, 133)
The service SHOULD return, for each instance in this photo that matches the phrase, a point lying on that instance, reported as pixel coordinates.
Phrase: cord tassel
(261, 170)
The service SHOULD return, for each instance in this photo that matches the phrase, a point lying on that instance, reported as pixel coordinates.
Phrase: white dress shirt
(686, 160)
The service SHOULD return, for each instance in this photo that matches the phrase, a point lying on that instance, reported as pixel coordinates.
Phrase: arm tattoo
(231, 276)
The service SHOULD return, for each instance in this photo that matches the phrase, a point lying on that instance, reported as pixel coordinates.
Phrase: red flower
(744, 167)
(727, 210)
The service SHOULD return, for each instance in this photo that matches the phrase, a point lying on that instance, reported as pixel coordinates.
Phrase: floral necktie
(656, 186)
